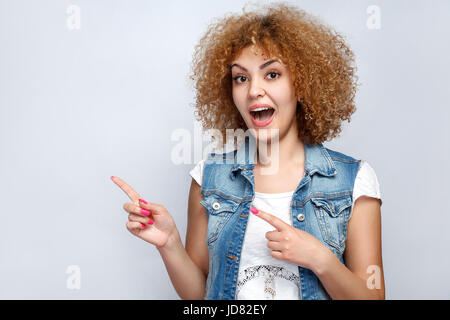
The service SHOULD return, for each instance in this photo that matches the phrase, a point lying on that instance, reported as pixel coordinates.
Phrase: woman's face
(258, 80)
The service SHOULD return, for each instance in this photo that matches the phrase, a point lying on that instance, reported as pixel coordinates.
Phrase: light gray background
(77, 106)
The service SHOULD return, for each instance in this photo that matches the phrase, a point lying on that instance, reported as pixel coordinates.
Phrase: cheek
(287, 100)
(237, 92)
(239, 101)
(283, 92)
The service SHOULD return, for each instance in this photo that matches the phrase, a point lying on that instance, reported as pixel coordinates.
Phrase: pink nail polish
(150, 221)
(254, 210)
(143, 226)
(146, 212)
(143, 201)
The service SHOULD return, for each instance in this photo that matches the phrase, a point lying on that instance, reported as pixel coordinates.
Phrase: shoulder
(344, 162)
(207, 163)
(367, 173)
(340, 156)
(366, 182)
(200, 164)
(197, 172)
(346, 165)
(365, 170)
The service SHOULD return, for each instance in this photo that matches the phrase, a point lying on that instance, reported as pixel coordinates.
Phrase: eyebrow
(265, 64)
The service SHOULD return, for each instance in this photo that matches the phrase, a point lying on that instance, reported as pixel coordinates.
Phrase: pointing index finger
(271, 219)
(133, 195)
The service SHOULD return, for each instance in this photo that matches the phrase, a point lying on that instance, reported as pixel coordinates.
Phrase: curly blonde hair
(321, 63)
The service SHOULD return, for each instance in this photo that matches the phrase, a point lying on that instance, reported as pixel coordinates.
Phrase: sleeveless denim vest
(321, 206)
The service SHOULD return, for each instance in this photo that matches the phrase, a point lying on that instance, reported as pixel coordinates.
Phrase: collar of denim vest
(317, 158)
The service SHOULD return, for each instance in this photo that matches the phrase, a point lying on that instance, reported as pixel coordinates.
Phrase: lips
(259, 105)
(261, 114)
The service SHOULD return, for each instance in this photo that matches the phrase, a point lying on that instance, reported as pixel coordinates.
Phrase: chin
(265, 135)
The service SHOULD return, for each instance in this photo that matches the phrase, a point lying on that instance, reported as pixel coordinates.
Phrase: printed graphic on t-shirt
(264, 278)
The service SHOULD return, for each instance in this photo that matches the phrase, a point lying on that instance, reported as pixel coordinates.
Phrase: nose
(256, 90)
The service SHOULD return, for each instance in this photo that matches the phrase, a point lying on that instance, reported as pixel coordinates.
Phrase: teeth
(261, 109)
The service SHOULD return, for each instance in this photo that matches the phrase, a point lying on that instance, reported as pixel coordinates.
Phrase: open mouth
(262, 117)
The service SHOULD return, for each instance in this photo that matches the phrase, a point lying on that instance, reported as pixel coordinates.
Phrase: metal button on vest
(216, 205)
(300, 217)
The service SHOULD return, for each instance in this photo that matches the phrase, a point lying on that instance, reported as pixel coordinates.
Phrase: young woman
(312, 228)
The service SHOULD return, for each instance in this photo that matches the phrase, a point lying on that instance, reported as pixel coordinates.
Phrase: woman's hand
(294, 245)
(148, 221)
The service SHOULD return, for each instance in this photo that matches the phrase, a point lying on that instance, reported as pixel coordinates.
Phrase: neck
(290, 152)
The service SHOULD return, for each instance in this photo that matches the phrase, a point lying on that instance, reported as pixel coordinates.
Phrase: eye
(236, 78)
(273, 73)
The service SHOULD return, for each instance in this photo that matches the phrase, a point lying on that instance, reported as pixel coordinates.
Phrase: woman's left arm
(362, 275)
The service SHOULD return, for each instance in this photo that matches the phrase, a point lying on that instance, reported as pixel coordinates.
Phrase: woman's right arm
(188, 268)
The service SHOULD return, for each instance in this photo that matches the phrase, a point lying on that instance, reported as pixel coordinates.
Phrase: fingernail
(142, 200)
(146, 212)
(254, 210)
(143, 226)
(112, 177)
(150, 221)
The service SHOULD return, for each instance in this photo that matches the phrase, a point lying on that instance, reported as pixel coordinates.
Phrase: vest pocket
(332, 216)
(219, 211)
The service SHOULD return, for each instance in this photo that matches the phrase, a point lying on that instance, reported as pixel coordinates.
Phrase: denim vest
(321, 206)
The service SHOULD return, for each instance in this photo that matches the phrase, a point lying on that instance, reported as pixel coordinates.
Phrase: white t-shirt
(261, 276)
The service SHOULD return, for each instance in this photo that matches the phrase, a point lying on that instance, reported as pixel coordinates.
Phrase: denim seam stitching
(344, 160)
(223, 195)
